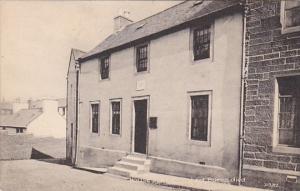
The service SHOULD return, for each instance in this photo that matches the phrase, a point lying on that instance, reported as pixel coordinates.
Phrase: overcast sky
(36, 38)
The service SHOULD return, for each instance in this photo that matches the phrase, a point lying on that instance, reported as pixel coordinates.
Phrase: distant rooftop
(20, 119)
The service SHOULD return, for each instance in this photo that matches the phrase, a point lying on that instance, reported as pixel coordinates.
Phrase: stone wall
(269, 53)
(15, 146)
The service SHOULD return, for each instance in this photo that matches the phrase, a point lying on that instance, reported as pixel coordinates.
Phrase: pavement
(190, 184)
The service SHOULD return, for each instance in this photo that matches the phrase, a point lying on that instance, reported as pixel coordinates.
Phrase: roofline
(9, 126)
(70, 58)
(234, 7)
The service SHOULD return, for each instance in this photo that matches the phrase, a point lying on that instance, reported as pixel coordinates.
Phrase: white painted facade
(50, 123)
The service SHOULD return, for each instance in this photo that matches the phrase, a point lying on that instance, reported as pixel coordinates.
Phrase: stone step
(129, 166)
(121, 171)
(135, 160)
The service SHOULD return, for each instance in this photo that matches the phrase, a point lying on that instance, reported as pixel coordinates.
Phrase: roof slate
(169, 18)
(20, 119)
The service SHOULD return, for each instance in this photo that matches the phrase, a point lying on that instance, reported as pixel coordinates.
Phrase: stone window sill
(285, 149)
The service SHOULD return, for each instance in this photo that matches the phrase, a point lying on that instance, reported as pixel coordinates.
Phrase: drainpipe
(242, 101)
(77, 68)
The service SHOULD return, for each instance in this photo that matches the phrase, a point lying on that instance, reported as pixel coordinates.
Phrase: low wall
(15, 146)
(185, 169)
(96, 157)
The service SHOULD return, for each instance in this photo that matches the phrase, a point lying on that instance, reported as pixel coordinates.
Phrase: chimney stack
(121, 20)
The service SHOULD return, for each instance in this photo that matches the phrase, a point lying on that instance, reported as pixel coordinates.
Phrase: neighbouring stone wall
(15, 146)
(269, 53)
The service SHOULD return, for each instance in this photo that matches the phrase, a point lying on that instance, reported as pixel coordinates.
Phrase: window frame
(209, 117)
(111, 115)
(100, 67)
(284, 28)
(90, 117)
(280, 148)
(136, 59)
(191, 42)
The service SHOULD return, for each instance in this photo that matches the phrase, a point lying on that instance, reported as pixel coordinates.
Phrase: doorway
(140, 125)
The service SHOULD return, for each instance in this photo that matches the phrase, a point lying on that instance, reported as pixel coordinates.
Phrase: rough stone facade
(269, 54)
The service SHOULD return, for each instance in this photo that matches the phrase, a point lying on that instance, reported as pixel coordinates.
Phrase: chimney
(121, 20)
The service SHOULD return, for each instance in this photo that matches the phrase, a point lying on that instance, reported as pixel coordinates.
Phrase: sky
(36, 38)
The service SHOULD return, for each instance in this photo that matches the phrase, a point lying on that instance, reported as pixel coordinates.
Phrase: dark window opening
(141, 58)
(104, 68)
(116, 117)
(289, 111)
(95, 118)
(201, 43)
(19, 130)
(292, 16)
(199, 117)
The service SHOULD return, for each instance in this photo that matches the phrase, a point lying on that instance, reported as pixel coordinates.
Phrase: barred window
(199, 117)
(142, 58)
(201, 43)
(115, 117)
(95, 117)
(104, 67)
(289, 111)
(290, 17)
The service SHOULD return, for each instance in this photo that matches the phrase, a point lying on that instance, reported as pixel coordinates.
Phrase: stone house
(157, 91)
(272, 95)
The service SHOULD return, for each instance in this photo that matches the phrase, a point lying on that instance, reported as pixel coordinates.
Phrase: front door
(140, 132)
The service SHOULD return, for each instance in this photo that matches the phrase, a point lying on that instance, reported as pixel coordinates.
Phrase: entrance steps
(130, 165)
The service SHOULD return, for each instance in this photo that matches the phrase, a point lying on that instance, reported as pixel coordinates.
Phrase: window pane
(95, 118)
(292, 17)
(104, 68)
(142, 58)
(199, 117)
(115, 106)
(201, 43)
(289, 111)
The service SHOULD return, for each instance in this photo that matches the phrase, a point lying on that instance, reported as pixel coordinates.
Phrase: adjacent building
(72, 104)
(272, 95)
(40, 118)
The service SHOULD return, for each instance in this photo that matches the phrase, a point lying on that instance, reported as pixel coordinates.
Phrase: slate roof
(162, 21)
(20, 119)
